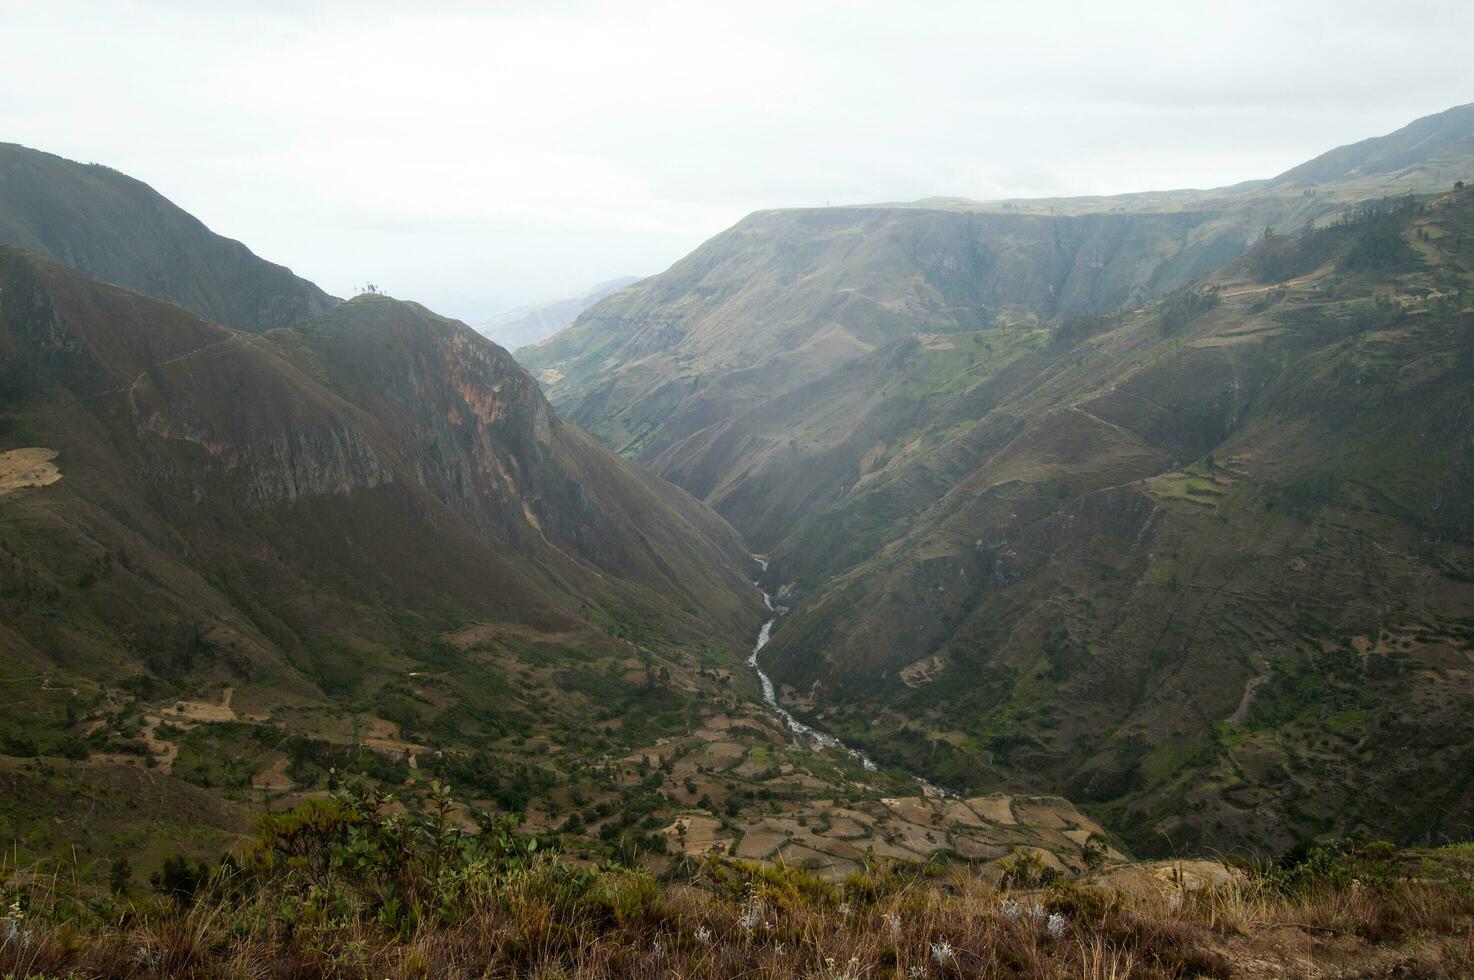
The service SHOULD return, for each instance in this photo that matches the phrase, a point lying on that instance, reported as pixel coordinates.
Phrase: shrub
(1093, 852)
(180, 882)
(350, 854)
(1025, 870)
(1335, 864)
(1182, 307)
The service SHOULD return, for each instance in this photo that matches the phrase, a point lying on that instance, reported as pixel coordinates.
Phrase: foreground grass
(349, 888)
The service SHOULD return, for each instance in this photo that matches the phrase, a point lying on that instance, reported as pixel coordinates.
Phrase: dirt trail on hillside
(1248, 290)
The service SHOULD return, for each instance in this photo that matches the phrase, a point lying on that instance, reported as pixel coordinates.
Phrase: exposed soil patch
(24, 468)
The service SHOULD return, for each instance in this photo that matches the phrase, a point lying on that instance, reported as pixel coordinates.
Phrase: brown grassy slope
(740, 921)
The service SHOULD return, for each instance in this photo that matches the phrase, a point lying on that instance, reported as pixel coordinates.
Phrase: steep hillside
(1205, 565)
(372, 515)
(488, 444)
(667, 370)
(987, 447)
(378, 410)
(539, 321)
(785, 297)
(1435, 149)
(111, 227)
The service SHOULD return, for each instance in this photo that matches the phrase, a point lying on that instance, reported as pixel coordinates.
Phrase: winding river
(770, 698)
(801, 731)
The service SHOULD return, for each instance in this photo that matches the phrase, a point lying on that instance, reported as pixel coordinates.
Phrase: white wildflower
(15, 926)
(703, 936)
(754, 914)
(844, 910)
(851, 969)
(1011, 909)
(893, 921)
(15, 930)
(915, 973)
(1057, 926)
(941, 952)
(657, 949)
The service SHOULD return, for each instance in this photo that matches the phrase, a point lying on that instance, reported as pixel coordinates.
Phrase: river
(807, 732)
(770, 698)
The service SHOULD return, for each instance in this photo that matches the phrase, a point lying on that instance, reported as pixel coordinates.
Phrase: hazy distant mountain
(1187, 561)
(111, 227)
(537, 321)
(785, 297)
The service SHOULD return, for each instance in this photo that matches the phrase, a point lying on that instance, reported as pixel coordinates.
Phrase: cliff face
(483, 439)
(320, 484)
(116, 229)
(784, 298)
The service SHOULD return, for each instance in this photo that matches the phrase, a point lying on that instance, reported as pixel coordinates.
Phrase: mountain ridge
(114, 228)
(124, 385)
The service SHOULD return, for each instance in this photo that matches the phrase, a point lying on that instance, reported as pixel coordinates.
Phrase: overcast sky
(477, 156)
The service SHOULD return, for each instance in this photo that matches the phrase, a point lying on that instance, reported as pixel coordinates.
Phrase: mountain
(371, 514)
(785, 297)
(111, 227)
(529, 324)
(1435, 149)
(1191, 564)
(1125, 499)
(238, 568)
(250, 464)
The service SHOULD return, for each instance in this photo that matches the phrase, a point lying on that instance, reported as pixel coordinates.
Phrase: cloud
(477, 156)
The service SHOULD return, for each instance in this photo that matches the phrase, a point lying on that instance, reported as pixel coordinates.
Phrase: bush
(180, 882)
(351, 854)
(1026, 870)
(1182, 307)
(1093, 852)
(119, 875)
(1335, 864)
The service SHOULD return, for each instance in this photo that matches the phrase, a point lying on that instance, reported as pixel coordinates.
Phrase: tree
(1094, 852)
(179, 881)
(119, 875)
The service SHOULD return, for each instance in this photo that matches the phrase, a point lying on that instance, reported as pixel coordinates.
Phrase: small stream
(806, 732)
(770, 698)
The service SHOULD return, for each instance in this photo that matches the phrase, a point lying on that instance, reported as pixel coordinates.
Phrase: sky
(477, 156)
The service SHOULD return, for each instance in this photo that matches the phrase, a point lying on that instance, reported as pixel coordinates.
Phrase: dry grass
(352, 887)
(735, 921)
